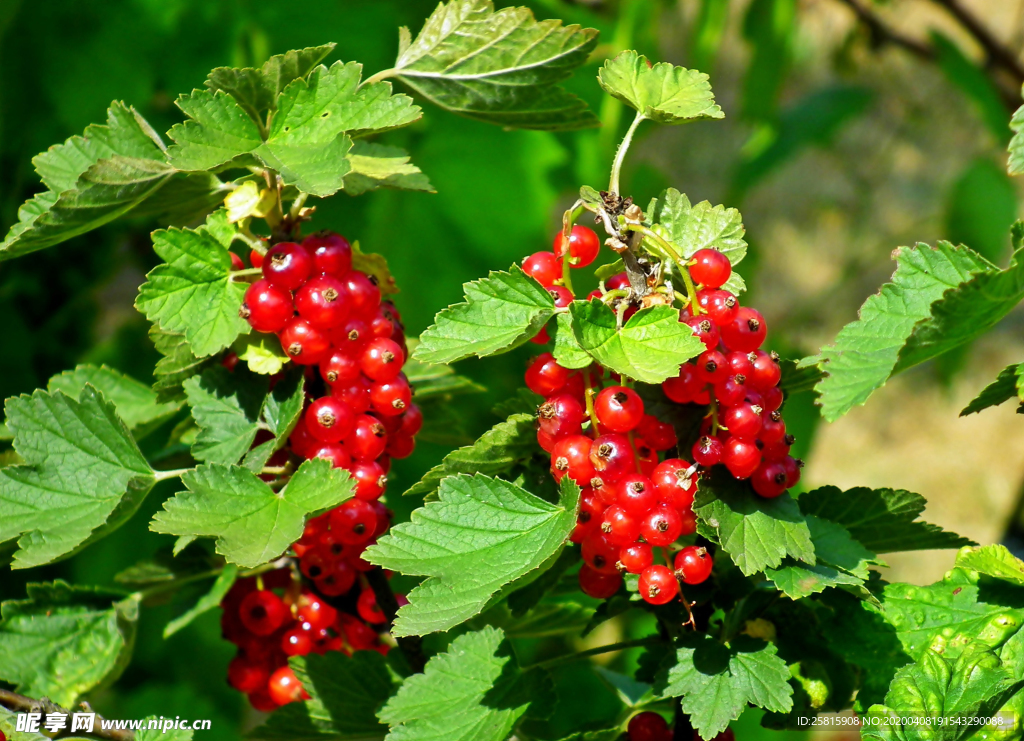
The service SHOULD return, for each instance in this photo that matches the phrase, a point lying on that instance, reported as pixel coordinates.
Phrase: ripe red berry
(648, 726)
(303, 342)
(743, 420)
(339, 368)
(693, 564)
(267, 307)
(597, 584)
(619, 409)
(368, 608)
(773, 429)
(364, 295)
(705, 330)
(391, 398)
(732, 390)
(256, 258)
(672, 485)
(562, 296)
(571, 457)
(382, 359)
(620, 527)
(544, 267)
(720, 306)
(659, 435)
(297, 642)
(329, 419)
(592, 508)
(746, 331)
(355, 394)
(770, 479)
(617, 282)
(636, 493)
(771, 399)
(351, 336)
(315, 611)
(332, 254)
(658, 585)
(793, 466)
(246, 675)
(545, 376)
(370, 479)
(401, 446)
(561, 415)
(583, 246)
(710, 268)
(367, 438)
(287, 265)
(712, 367)
(612, 457)
(636, 557)
(599, 553)
(338, 579)
(262, 612)
(284, 687)
(411, 421)
(333, 452)
(683, 388)
(661, 526)
(741, 457)
(323, 302)
(707, 451)
(765, 371)
(354, 521)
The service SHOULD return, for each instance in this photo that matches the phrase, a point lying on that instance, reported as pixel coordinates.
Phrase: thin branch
(881, 34)
(994, 49)
(610, 648)
(21, 704)
(412, 646)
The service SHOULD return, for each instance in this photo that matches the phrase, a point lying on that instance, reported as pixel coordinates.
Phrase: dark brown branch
(881, 34)
(412, 646)
(999, 54)
(21, 704)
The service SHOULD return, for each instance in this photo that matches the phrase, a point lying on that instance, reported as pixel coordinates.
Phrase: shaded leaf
(1005, 387)
(379, 166)
(207, 602)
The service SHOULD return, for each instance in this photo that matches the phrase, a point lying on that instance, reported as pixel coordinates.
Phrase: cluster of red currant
(268, 627)
(648, 726)
(738, 381)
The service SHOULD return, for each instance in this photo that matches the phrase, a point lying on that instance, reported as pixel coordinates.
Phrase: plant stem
(177, 583)
(297, 204)
(382, 75)
(21, 704)
(173, 474)
(621, 646)
(620, 153)
(589, 396)
(245, 271)
(566, 267)
(412, 646)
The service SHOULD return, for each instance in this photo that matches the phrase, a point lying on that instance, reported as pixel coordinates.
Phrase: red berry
(355, 394)
(732, 390)
(619, 526)
(401, 446)
(711, 268)
(661, 526)
(765, 371)
(354, 521)
(612, 457)
(267, 307)
(648, 726)
(391, 398)
(338, 580)
(746, 332)
(329, 419)
(617, 282)
(571, 457)
(636, 557)
(771, 399)
(619, 409)
(262, 701)
(659, 435)
(712, 367)
(583, 246)
(597, 584)
(262, 612)
(313, 564)
(793, 466)
(562, 296)
(545, 376)
(720, 306)
(705, 330)
(332, 254)
(382, 359)
(256, 258)
(303, 342)
(689, 522)
(287, 265)
(561, 415)
(777, 451)
(368, 608)
(770, 479)
(333, 452)
(364, 295)
(339, 368)
(672, 485)
(743, 420)
(351, 336)
(683, 388)
(693, 564)
(370, 479)
(367, 439)
(297, 642)
(773, 429)
(636, 493)
(726, 735)
(315, 611)
(246, 675)
(544, 267)
(599, 553)
(707, 451)
(284, 687)
(741, 457)
(592, 507)
(542, 337)
(658, 585)
(412, 421)
(740, 364)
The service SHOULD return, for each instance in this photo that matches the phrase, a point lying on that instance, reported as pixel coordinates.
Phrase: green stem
(173, 474)
(297, 204)
(621, 646)
(589, 396)
(382, 75)
(245, 271)
(670, 250)
(177, 583)
(620, 153)
(566, 267)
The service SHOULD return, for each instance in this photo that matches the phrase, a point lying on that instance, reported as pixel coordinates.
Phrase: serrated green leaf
(1015, 165)
(432, 381)
(217, 131)
(607, 271)
(501, 312)
(883, 520)
(379, 166)
(1004, 388)
(226, 406)
(567, 350)
(482, 534)
(135, 403)
(262, 353)
(866, 352)
(798, 377)
(993, 560)
(661, 92)
(192, 292)
(757, 533)
(500, 67)
(177, 364)
(65, 640)
(252, 523)
(716, 681)
(9, 725)
(84, 475)
(700, 226)
(649, 347)
(475, 691)
(207, 602)
(839, 560)
(281, 410)
(496, 451)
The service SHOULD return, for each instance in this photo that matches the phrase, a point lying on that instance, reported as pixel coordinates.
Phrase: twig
(611, 647)
(412, 646)
(995, 50)
(21, 704)
(882, 34)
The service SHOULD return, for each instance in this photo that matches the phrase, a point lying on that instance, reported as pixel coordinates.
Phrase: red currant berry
(732, 390)
(793, 466)
(338, 580)
(693, 564)
(743, 420)
(382, 360)
(370, 479)
(612, 457)
(545, 376)
(659, 435)
(705, 330)
(284, 687)
(672, 484)
(367, 439)
(364, 295)
(765, 371)
(658, 585)
(297, 642)
(770, 479)
(683, 388)
(339, 368)
(256, 258)
(401, 446)
(618, 282)
(712, 367)
(303, 342)
(583, 246)
(571, 457)
(741, 457)
(773, 429)
(619, 409)
(592, 507)
(267, 307)
(597, 584)
(382, 326)
(333, 452)
(546, 441)
(771, 399)
(619, 526)
(740, 364)
(636, 557)
(354, 521)
(599, 553)
(262, 612)
(720, 306)
(777, 451)
(661, 526)
(391, 398)
(356, 394)
(544, 267)
(707, 451)
(287, 265)
(710, 268)
(689, 522)
(411, 421)
(562, 296)
(368, 608)
(313, 564)
(351, 336)
(746, 332)
(246, 675)
(329, 419)
(322, 301)
(332, 254)
(561, 415)
(313, 610)
(636, 493)
(648, 727)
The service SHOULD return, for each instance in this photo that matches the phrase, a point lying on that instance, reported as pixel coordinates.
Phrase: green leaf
(475, 691)
(607, 271)
(84, 475)
(379, 166)
(135, 403)
(756, 532)
(702, 226)
(252, 523)
(65, 640)
(839, 559)
(346, 693)
(226, 406)
(207, 602)
(716, 681)
(217, 131)
(546, 620)
(866, 352)
(567, 350)
(883, 520)
(192, 292)
(157, 733)
(501, 312)
(432, 381)
(1006, 386)
(649, 347)
(797, 377)
(500, 67)
(661, 92)
(177, 364)
(9, 724)
(1015, 165)
(496, 451)
(482, 534)
(993, 560)
(261, 352)
(281, 69)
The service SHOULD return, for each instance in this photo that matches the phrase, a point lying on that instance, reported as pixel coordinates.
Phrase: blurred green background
(844, 138)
